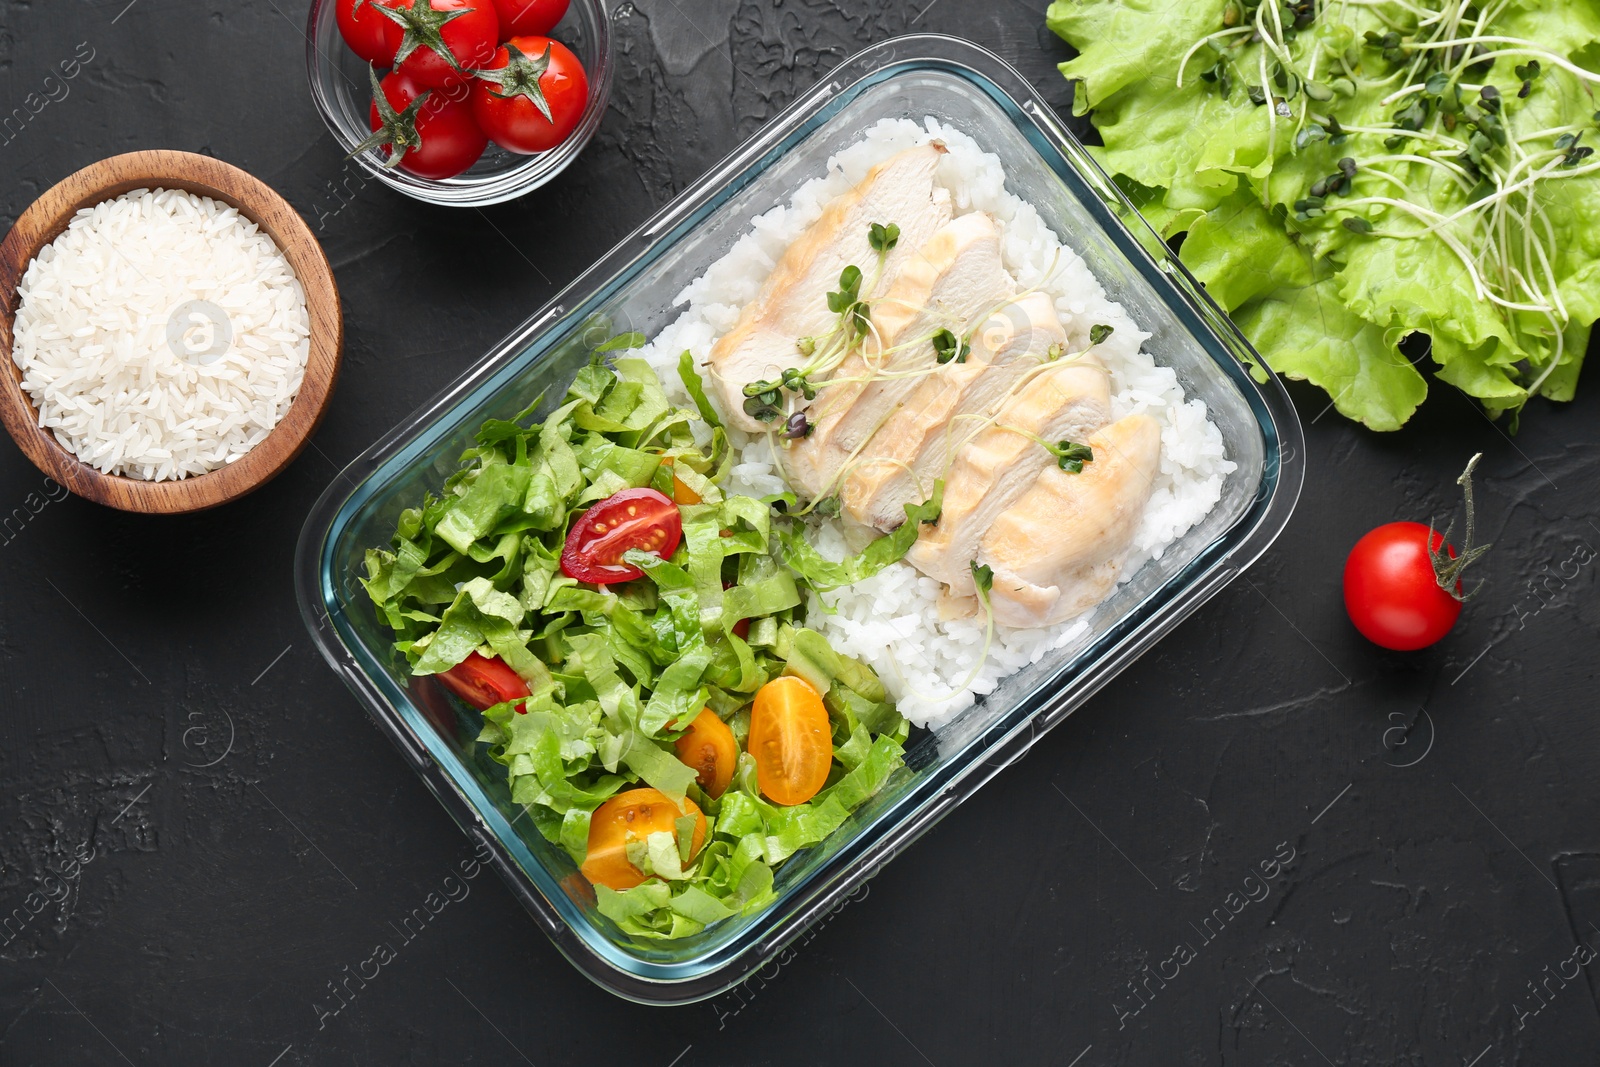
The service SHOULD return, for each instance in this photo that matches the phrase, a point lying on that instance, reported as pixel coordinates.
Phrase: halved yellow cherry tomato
(640, 812)
(791, 741)
(710, 751)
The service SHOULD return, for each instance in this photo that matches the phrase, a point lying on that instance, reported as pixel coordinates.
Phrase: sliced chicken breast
(1058, 551)
(1067, 401)
(920, 441)
(793, 302)
(956, 278)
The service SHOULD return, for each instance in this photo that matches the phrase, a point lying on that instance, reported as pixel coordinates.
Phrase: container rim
(988, 751)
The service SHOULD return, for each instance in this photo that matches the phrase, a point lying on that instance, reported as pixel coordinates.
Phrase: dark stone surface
(229, 883)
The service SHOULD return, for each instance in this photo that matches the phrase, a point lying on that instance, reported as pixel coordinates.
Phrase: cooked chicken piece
(956, 278)
(793, 302)
(1058, 551)
(1065, 402)
(919, 441)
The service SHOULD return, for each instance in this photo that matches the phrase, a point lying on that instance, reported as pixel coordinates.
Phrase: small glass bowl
(340, 87)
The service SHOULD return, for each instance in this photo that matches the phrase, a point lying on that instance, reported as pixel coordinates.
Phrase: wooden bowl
(45, 220)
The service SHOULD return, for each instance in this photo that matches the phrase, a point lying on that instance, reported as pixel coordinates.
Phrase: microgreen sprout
(947, 346)
(795, 381)
(983, 579)
(1071, 456)
(1528, 73)
(1575, 153)
(847, 302)
(762, 400)
(826, 351)
(1099, 332)
(849, 291)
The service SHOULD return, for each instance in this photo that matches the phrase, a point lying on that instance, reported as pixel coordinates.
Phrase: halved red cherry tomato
(791, 739)
(639, 813)
(518, 17)
(710, 751)
(634, 518)
(531, 95)
(484, 682)
(367, 31)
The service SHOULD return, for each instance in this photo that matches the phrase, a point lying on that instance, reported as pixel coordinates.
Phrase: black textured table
(1267, 843)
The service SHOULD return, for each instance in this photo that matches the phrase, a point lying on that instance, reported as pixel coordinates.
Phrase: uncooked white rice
(121, 330)
(891, 620)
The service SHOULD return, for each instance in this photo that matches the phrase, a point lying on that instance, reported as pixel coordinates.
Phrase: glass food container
(632, 288)
(343, 95)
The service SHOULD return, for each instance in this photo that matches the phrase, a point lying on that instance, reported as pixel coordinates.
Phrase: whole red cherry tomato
(432, 135)
(368, 33)
(484, 682)
(1392, 591)
(1402, 583)
(518, 17)
(634, 518)
(437, 41)
(531, 96)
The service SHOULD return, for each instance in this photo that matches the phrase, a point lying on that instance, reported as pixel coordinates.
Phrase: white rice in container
(891, 620)
(161, 335)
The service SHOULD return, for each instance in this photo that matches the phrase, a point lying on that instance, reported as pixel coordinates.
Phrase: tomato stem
(1446, 570)
(396, 129)
(424, 28)
(520, 77)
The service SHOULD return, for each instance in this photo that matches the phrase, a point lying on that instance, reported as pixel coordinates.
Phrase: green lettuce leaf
(823, 574)
(1318, 340)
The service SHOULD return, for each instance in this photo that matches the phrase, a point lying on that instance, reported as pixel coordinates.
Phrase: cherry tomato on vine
(1402, 581)
(484, 682)
(531, 96)
(638, 813)
(1392, 592)
(791, 739)
(437, 42)
(368, 33)
(519, 17)
(424, 131)
(634, 518)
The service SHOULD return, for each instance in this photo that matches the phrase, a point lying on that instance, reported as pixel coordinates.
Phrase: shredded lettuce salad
(1350, 173)
(612, 669)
